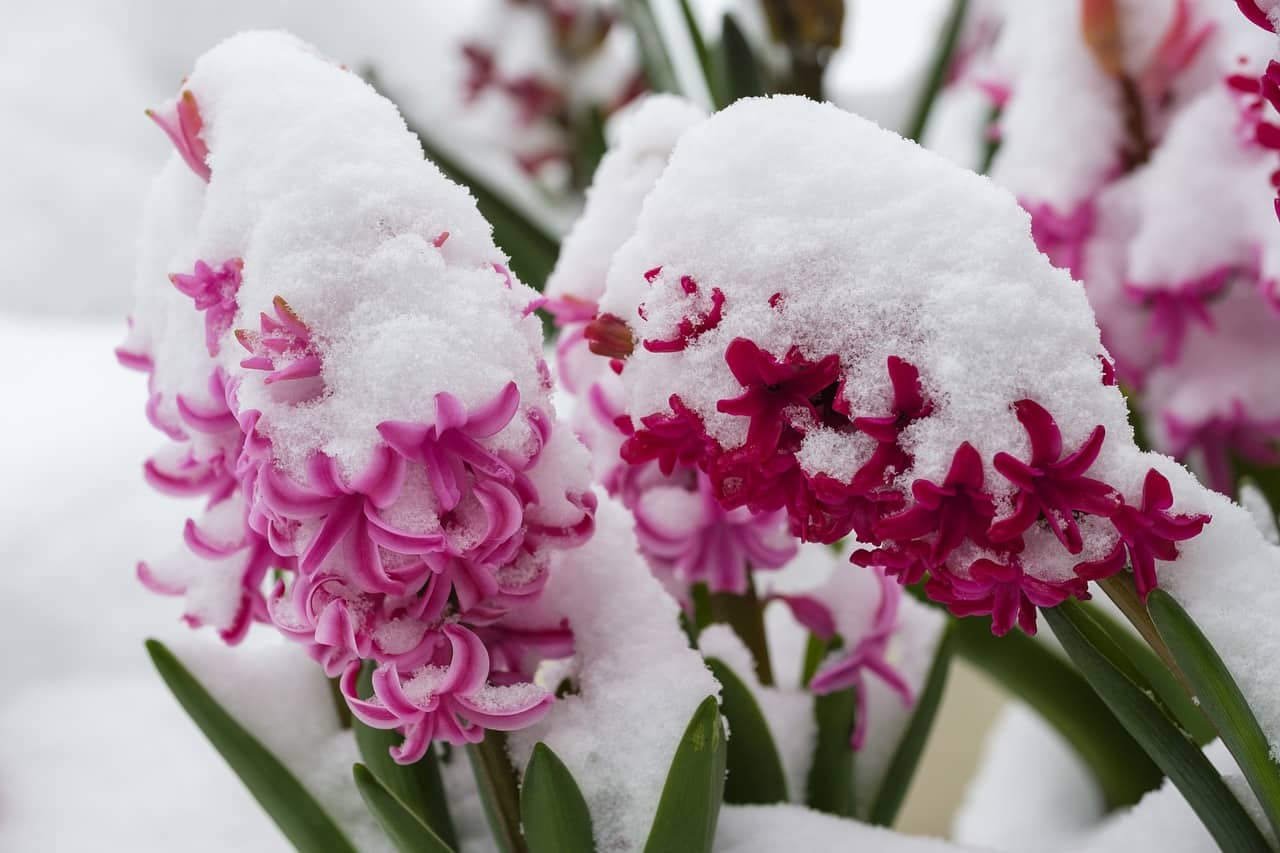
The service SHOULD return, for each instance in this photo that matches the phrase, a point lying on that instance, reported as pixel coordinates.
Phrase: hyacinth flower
(1170, 107)
(402, 513)
(534, 72)
(181, 122)
(868, 657)
(787, 398)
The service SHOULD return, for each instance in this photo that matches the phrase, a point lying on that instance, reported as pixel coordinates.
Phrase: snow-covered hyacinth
(533, 68)
(1139, 136)
(833, 348)
(350, 374)
(687, 536)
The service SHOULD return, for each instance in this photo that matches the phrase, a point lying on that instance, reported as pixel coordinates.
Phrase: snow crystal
(751, 829)
(1032, 792)
(325, 195)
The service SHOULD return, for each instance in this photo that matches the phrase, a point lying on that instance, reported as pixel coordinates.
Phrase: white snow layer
(638, 681)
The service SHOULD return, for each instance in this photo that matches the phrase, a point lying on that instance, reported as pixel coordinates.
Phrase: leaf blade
(902, 766)
(691, 797)
(307, 826)
(1182, 761)
(555, 815)
(1221, 699)
(755, 767)
(405, 830)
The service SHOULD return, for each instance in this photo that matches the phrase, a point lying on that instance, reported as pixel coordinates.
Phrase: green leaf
(532, 248)
(705, 60)
(738, 66)
(1221, 699)
(1157, 674)
(590, 145)
(830, 783)
(658, 68)
(406, 831)
(690, 804)
(902, 766)
(418, 786)
(499, 793)
(755, 768)
(1119, 683)
(1048, 683)
(276, 789)
(555, 815)
(947, 41)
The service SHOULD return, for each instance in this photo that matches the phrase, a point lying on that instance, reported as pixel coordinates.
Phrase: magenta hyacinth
(371, 511)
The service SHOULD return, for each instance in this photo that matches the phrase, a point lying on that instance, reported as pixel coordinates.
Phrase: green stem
(938, 70)
(745, 615)
(499, 790)
(1120, 589)
(340, 706)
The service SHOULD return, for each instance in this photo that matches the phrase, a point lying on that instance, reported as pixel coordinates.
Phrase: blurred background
(82, 713)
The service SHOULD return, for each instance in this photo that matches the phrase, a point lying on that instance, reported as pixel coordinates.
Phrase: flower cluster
(1153, 189)
(1002, 472)
(540, 68)
(403, 513)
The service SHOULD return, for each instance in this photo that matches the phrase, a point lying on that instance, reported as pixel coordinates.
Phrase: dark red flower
(771, 388)
(956, 510)
(1147, 533)
(609, 335)
(1003, 590)
(906, 561)
(831, 509)
(1050, 484)
(677, 439)
(690, 327)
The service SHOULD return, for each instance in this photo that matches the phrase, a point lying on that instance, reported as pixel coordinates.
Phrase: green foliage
(691, 797)
(307, 826)
(1131, 699)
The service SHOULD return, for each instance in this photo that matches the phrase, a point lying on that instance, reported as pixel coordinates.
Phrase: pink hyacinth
(451, 701)
(214, 292)
(371, 510)
(685, 531)
(181, 122)
(955, 511)
(283, 348)
(867, 656)
(1062, 236)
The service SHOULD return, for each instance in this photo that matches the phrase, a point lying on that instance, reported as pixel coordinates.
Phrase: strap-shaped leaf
(555, 815)
(705, 60)
(755, 768)
(532, 248)
(1221, 699)
(1056, 689)
(738, 66)
(499, 793)
(691, 797)
(902, 766)
(1119, 684)
(417, 786)
(307, 826)
(947, 41)
(1172, 694)
(830, 784)
(658, 68)
(402, 826)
